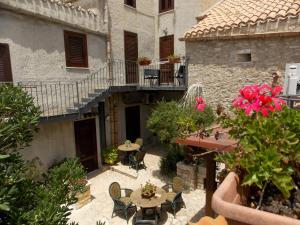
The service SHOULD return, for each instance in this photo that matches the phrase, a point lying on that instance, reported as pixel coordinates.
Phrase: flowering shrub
(268, 151)
(255, 98)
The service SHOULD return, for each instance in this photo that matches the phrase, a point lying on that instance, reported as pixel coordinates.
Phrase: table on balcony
(152, 75)
(212, 147)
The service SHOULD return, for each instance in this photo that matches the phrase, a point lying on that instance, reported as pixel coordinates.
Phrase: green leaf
(4, 207)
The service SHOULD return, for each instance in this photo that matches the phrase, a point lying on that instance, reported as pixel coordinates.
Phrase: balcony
(76, 97)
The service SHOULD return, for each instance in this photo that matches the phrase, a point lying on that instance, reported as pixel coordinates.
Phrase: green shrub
(18, 118)
(110, 155)
(169, 120)
(174, 154)
(24, 201)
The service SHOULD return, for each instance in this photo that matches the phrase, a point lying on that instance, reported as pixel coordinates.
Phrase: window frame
(133, 5)
(69, 63)
(166, 6)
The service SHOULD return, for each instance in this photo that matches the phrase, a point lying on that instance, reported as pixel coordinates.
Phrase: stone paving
(100, 208)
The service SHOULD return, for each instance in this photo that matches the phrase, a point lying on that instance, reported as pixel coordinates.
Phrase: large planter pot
(228, 199)
(84, 197)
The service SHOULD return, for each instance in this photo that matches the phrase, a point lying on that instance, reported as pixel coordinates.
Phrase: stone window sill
(166, 12)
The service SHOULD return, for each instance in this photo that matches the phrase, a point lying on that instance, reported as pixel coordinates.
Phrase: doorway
(166, 48)
(131, 57)
(86, 143)
(5, 65)
(133, 124)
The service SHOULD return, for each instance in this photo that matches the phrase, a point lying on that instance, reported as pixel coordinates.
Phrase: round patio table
(149, 203)
(128, 149)
(138, 200)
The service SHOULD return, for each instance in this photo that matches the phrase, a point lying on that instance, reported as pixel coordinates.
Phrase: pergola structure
(212, 146)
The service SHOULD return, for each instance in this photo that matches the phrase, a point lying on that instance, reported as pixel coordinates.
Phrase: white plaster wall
(138, 20)
(37, 49)
(52, 143)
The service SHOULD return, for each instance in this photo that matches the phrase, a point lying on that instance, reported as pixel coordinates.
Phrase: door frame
(166, 68)
(6, 46)
(131, 64)
(97, 130)
(125, 120)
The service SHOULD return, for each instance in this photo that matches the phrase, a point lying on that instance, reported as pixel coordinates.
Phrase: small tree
(23, 200)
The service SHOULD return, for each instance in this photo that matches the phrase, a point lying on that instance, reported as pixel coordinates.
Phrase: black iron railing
(62, 98)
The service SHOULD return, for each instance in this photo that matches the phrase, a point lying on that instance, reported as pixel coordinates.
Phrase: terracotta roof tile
(228, 14)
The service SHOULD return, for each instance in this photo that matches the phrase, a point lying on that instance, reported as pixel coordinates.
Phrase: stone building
(78, 60)
(241, 42)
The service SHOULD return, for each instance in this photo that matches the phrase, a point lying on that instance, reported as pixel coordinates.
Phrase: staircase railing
(57, 98)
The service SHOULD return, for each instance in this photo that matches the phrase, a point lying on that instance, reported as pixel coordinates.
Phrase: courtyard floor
(100, 208)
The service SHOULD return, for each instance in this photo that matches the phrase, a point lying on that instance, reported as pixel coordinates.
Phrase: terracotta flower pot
(228, 199)
(144, 62)
(174, 60)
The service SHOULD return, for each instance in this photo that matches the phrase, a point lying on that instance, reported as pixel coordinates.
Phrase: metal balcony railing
(63, 98)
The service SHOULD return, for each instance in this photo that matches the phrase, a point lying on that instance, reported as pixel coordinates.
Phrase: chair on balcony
(137, 160)
(152, 74)
(139, 141)
(174, 198)
(180, 75)
(123, 204)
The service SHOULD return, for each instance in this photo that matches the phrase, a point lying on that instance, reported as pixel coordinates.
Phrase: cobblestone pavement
(100, 208)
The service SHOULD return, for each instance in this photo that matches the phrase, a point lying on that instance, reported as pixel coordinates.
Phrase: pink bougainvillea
(259, 98)
(200, 104)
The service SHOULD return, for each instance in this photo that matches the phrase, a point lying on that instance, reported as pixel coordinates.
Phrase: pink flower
(200, 104)
(261, 99)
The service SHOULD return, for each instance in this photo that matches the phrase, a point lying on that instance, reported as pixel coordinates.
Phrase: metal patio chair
(174, 198)
(123, 204)
(137, 160)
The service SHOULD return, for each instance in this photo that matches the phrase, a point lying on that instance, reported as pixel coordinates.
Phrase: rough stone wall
(37, 49)
(215, 64)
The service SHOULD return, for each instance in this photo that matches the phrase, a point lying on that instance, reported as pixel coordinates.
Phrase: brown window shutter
(5, 65)
(76, 49)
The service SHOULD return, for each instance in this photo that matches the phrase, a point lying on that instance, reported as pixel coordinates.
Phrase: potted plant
(127, 143)
(148, 191)
(174, 59)
(110, 155)
(263, 187)
(144, 61)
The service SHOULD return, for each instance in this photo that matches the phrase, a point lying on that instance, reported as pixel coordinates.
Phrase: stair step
(72, 110)
(99, 90)
(80, 105)
(93, 95)
(85, 100)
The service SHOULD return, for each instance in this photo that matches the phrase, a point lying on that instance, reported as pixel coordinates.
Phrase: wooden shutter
(166, 5)
(131, 56)
(166, 48)
(5, 65)
(76, 49)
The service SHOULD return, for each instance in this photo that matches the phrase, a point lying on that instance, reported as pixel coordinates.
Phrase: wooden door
(86, 143)
(131, 57)
(166, 48)
(5, 66)
(133, 124)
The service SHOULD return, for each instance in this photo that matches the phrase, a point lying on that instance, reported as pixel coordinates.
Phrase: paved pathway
(101, 206)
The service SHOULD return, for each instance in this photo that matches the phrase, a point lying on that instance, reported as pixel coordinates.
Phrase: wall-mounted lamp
(165, 31)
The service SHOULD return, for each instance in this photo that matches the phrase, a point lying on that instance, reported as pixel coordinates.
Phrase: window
(246, 57)
(76, 49)
(5, 66)
(243, 56)
(131, 3)
(166, 5)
